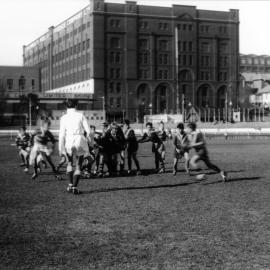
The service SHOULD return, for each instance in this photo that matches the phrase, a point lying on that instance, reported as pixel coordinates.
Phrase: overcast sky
(22, 21)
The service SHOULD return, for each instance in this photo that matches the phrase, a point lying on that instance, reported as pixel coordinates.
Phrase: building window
(33, 84)
(118, 102)
(190, 46)
(190, 27)
(223, 29)
(204, 28)
(115, 23)
(118, 88)
(22, 83)
(223, 48)
(111, 101)
(115, 42)
(143, 58)
(10, 84)
(205, 47)
(163, 59)
(163, 45)
(111, 87)
(163, 26)
(143, 44)
(163, 74)
(87, 43)
(115, 57)
(143, 25)
(190, 60)
(143, 74)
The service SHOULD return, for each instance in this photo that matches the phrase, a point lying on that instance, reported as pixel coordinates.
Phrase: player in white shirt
(73, 143)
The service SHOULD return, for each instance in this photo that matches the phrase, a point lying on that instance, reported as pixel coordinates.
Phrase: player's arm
(85, 126)
(62, 133)
(145, 138)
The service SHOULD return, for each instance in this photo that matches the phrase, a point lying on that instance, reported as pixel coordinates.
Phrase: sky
(23, 21)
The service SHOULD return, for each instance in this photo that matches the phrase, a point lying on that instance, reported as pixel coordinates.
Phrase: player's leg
(175, 162)
(122, 161)
(213, 167)
(77, 174)
(194, 161)
(136, 161)
(61, 163)
(70, 172)
(161, 158)
(187, 160)
(22, 164)
(129, 159)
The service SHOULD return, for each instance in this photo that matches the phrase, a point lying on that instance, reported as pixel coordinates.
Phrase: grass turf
(140, 222)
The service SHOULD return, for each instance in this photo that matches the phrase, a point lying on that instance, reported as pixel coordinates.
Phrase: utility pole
(176, 69)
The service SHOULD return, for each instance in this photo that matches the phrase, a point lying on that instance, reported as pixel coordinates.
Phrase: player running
(180, 142)
(198, 143)
(157, 146)
(73, 143)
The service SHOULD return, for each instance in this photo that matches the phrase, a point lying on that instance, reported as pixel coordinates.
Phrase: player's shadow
(235, 180)
(104, 190)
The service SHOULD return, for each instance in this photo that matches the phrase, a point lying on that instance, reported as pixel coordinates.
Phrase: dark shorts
(203, 154)
(180, 154)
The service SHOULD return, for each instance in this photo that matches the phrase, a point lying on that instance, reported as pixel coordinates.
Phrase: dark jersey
(43, 137)
(132, 143)
(180, 141)
(162, 135)
(23, 140)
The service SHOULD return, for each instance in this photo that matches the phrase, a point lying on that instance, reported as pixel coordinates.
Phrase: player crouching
(197, 142)
(23, 144)
(43, 145)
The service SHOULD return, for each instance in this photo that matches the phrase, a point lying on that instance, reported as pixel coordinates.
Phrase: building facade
(16, 84)
(251, 63)
(143, 59)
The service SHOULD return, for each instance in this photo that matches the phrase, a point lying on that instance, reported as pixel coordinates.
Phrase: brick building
(143, 59)
(16, 83)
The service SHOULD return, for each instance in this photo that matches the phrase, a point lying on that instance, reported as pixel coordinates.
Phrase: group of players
(90, 151)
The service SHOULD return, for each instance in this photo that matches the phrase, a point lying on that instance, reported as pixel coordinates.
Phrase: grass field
(145, 222)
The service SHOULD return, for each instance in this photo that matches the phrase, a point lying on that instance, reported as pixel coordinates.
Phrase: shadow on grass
(235, 180)
(137, 188)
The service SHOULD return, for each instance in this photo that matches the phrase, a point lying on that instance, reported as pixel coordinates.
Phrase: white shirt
(72, 124)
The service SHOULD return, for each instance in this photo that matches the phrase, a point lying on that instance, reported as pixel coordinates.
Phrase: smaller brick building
(16, 83)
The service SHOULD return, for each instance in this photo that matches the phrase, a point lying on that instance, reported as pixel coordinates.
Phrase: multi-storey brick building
(143, 59)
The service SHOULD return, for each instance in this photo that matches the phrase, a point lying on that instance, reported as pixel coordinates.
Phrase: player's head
(126, 123)
(45, 124)
(180, 127)
(92, 128)
(71, 103)
(22, 129)
(161, 125)
(191, 126)
(149, 126)
(105, 126)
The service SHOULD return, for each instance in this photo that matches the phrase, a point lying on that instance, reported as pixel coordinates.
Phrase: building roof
(264, 90)
(252, 76)
(81, 88)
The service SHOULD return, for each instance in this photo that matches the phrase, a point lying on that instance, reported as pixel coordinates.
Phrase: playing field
(145, 222)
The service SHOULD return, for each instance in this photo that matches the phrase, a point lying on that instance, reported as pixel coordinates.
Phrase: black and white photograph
(134, 135)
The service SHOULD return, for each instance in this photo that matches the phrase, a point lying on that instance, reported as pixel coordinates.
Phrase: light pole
(230, 104)
(150, 108)
(103, 108)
